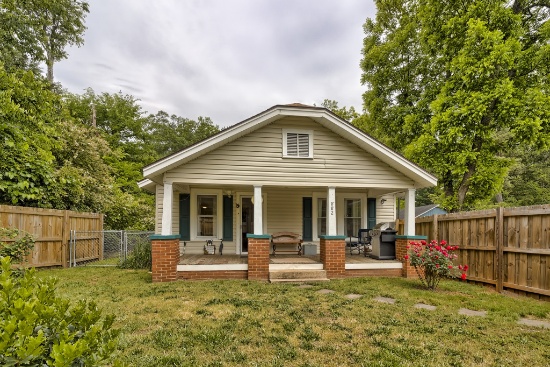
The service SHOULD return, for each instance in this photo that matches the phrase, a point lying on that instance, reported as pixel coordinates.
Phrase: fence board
(508, 247)
(50, 228)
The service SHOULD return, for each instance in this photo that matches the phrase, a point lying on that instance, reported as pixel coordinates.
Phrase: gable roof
(321, 115)
(420, 211)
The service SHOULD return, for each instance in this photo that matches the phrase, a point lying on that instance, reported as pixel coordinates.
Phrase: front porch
(236, 266)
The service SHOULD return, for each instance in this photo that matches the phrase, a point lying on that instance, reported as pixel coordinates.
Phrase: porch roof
(153, 172)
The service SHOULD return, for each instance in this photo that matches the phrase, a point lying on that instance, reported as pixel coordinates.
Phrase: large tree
(36, 31)
(455, 84)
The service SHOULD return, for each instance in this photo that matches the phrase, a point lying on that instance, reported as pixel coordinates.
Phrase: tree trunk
(49, 75)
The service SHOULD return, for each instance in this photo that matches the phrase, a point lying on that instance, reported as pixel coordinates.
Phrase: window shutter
(227, 218)
(185, 217)
(371, 213)
(303, 145)
(292, 144)
(307, 227)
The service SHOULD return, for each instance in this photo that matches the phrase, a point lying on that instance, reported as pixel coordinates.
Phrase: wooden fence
(51, 230)
(506, 247)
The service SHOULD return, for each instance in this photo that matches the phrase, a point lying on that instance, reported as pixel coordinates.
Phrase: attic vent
(297, 144)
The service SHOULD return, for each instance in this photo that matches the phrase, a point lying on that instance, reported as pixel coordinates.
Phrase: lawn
(236, 323)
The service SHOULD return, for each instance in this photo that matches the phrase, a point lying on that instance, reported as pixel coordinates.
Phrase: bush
(139, 258)
(37, 328)
(20, 248)
(433, 261)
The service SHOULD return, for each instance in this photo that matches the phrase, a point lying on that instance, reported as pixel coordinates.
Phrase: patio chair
(361, 243)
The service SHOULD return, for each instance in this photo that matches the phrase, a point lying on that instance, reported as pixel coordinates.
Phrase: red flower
(406, 257)
(465, 267)
(460, 267)
(449, 248)
(443, 242)
(450, 266)
(423, 243)
(437, 266)
(463, 276)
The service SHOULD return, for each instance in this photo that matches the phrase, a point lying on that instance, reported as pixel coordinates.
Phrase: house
(294, 168)
(423, 211)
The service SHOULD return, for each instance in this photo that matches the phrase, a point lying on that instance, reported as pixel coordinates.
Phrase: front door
(247, 221)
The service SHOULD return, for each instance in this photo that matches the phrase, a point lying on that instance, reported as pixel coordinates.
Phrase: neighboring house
(293, 168)
(423, 211)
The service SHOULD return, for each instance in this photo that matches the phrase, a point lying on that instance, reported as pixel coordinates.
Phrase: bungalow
(291, 168)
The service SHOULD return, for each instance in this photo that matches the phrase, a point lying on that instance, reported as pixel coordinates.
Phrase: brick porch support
(165, 257)
(333, 255)
(401, 243)
(258, 256)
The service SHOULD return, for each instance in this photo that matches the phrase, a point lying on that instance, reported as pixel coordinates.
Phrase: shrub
(433, 261)
(139, 258)
(18, 249)
(38, 328)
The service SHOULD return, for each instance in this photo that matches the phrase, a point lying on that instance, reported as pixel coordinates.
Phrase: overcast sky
(227, 60)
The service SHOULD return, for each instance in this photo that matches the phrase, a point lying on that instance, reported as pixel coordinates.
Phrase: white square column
(167, 200)
(258, 210)
(331, 211)
(409, 229)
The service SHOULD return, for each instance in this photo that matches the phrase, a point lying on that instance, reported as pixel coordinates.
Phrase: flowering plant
(433, 261)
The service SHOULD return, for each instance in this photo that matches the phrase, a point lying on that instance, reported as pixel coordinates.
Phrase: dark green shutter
(227, 218)
(185, 217)
(307, 220)
(371, 213)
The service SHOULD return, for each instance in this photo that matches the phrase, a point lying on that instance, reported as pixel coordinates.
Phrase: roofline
(355, 135)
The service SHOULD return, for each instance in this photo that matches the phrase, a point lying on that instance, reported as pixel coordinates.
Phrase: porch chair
(294, 240)
(361, 243)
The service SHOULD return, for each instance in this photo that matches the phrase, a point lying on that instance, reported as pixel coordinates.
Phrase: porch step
(295, 275)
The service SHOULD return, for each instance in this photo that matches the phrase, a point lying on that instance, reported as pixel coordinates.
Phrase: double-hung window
(321, 217)
(206, 215)
(352, 218)
(297, 144)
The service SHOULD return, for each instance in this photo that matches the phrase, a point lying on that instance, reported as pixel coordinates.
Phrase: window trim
(285, 133)
(340, 210)
(195, 217)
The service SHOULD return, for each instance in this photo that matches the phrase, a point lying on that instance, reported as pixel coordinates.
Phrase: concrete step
(298, 276)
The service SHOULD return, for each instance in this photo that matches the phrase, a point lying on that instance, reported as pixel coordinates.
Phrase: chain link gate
(103, 248)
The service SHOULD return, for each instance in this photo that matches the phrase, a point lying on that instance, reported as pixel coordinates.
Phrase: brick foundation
(401, 243)
(333, 255)
(361, 273)
(165, 256)
(213, 275)
(258, 257)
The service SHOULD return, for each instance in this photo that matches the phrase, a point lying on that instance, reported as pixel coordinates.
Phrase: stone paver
(385, 300)
(353, 296)
(468, 312)
(325, 291)
(425, 306)
(305, 286)
(531, 322)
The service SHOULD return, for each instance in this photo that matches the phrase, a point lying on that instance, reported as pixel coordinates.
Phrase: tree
(465, 80)
(37, 31)
(169, 134)
(345, 113)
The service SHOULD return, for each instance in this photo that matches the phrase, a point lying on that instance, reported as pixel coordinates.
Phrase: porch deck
(279, 259)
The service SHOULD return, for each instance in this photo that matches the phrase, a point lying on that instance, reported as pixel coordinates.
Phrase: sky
(227, 60)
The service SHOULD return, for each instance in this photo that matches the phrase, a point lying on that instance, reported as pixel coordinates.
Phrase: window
(321, 217)
(206, 210)
(297, 144)
(352, 219)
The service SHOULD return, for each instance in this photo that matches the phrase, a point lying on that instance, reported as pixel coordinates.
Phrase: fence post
(500, 248)
(101, 238)
(435, 230)
(65, 238)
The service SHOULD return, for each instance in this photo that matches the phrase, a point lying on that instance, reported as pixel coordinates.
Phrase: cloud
(224, 59)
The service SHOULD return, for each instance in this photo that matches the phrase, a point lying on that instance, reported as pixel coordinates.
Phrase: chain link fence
(104, 248)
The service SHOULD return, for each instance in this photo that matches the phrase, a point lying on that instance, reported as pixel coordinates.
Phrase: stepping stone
(305, 286)
(385, 300)
(425, 306)
(325, 291)
(353, 296)
(467, 312)
(531, 322)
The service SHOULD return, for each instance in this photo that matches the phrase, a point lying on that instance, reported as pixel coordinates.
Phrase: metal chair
(362, 244)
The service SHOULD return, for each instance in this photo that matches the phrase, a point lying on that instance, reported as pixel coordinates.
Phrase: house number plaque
(332, 208)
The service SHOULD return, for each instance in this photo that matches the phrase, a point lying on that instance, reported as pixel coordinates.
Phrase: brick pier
(333, 255)
(401, 243)
(258, 256)
(165, 257)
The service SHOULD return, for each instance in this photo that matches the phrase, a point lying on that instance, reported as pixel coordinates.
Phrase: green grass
(235, 323)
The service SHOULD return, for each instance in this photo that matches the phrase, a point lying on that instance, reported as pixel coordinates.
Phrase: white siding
(256, 158)
(159, 195)
(385, 212)
(284, 212)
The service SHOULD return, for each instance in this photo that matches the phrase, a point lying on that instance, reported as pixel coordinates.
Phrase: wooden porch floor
(279, 259)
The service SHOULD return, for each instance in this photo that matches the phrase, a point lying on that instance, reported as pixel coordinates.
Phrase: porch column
(167, 200)
(258, 218)
(331, 211)
(409, 229)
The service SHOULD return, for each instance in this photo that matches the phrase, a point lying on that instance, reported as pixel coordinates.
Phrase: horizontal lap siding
(256, 158)
(284, 210)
